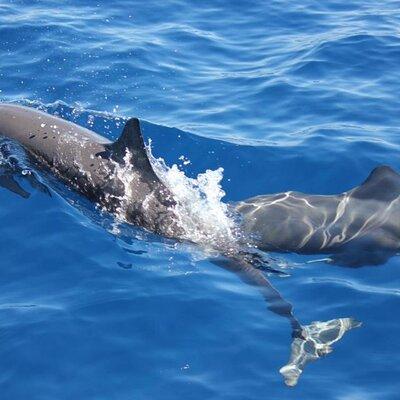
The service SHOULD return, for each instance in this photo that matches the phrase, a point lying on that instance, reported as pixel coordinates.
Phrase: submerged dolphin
(360, 226)
(91, 164)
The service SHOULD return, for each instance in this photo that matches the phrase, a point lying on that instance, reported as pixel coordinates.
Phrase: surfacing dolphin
(359, 226)
(366, 216)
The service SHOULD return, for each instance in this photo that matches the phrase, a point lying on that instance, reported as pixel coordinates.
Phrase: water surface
(282, 96)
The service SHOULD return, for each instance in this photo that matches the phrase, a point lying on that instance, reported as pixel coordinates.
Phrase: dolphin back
(364, 219)
(116, 175)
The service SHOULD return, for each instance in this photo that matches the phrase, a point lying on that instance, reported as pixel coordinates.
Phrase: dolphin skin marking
(89, 162)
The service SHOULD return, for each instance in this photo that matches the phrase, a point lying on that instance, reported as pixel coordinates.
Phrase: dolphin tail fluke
(313, 342)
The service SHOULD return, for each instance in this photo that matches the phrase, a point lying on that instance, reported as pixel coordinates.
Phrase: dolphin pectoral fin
(8, 182)
(36, 184)
(313, 342)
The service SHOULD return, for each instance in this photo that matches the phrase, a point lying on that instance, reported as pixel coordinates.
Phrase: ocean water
(283, 96)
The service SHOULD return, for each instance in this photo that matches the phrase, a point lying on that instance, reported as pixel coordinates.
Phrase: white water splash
(200, 212)
(203, 216)
(127, 175)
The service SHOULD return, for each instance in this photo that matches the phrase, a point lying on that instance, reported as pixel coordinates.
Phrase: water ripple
(284, 96)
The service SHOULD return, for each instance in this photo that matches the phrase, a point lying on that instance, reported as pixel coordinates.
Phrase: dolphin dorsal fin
(383, 184)
(131, 140)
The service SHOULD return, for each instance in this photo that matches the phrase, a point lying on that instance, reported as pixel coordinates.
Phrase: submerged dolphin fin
(382, 184)
(9, 182)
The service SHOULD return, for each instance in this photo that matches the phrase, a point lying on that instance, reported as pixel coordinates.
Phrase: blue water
(282, 95)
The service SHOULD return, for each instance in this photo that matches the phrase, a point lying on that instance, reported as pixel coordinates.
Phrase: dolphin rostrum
(91, 164)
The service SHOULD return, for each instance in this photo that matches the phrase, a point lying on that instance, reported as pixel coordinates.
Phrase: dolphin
(92, 164)
(358, 227)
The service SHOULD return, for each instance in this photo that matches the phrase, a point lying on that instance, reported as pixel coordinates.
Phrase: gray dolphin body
(363, 222)
(358, 226)
(368, 216)
(91, 164)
